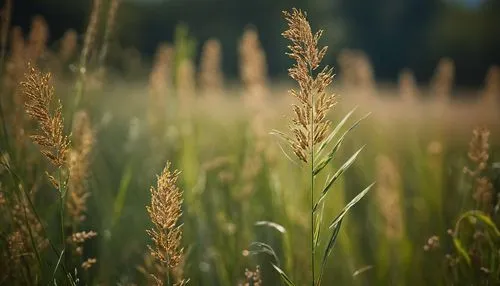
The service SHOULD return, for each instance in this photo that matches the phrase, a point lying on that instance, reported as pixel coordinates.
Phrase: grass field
(430, 219)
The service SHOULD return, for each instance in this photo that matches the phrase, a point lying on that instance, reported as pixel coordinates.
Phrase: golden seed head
(38, 92)
(309, 125)
(165, 212)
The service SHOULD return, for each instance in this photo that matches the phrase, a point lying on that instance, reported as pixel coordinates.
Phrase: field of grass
(430, 219)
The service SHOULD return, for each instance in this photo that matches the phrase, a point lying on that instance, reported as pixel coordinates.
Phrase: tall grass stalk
(310, 139)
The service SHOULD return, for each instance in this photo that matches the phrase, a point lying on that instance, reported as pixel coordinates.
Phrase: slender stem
(311, 134)
(61, 214)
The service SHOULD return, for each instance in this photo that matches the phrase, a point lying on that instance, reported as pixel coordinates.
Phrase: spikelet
(491, 92)
(442, 83)
(309, 125)
(253, 68)
(479, 155)
(210, 76)
(408, 89)
(37, 39)
(39, 95)
(79, 164)
(165, 212)
(388, 194)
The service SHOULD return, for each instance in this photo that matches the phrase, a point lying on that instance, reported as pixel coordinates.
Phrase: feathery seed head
(309, 125)
(39, 95)
(165, 212)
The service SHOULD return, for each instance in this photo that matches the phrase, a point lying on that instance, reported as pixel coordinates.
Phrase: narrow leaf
(487, 220)
(334, 132)
(260, 247)
(317, 229)
(461, 250)
(271, 224)
(362, 270)
(329, 248)
(337, 174)
(285, 278)
(350, 205)
(322, 164)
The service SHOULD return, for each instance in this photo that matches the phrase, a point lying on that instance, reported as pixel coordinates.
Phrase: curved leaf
(350, 205)
(337, 174)
(285, 278)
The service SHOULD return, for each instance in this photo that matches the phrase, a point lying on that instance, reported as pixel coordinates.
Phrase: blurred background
(201, 83)
(395, 34)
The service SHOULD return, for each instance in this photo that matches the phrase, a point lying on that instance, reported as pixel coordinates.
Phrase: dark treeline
(394, 33)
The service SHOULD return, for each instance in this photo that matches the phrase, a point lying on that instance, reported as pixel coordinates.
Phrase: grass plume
(165, 212)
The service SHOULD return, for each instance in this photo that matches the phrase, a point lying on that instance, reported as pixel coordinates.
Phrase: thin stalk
(61, 214)
(312, 183)
(18, 181)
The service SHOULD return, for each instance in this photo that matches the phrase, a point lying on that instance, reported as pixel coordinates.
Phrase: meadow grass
(75, 213)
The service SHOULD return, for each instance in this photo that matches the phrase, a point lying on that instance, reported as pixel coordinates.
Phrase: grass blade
(322, 164)
(350, 205)
(260, 247)
(285, 278)
(337, 174)
(271, 224)
(334, 132)
(458, 245)
(122, 194)
(329, 248)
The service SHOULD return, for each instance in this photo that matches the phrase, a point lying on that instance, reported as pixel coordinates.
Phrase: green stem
(312, 184)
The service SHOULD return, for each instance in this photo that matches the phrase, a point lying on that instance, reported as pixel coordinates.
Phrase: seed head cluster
(165, 212)
(309, 125)
(39, 95)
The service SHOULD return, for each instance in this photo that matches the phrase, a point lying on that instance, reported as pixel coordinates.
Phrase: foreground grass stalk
(309, 128)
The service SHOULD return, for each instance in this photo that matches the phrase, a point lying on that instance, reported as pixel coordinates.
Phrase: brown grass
(165, 212)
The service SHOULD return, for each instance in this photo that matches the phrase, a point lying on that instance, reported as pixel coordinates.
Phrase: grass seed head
(46, 110)
(165, 212)
(309, 125)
